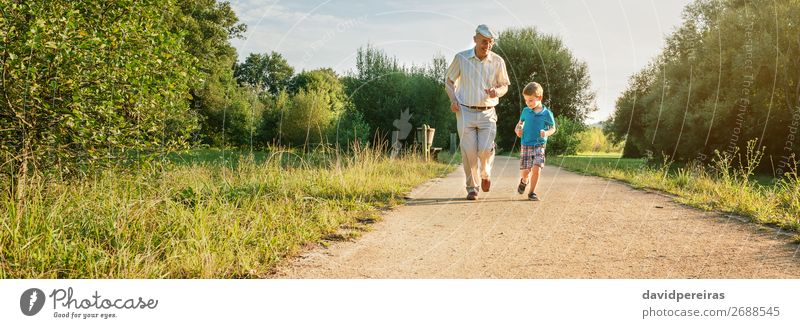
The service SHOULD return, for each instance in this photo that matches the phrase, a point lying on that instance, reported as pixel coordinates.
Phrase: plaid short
(530, 156)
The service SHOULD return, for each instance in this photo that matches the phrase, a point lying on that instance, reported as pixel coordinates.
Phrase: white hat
(486, 31)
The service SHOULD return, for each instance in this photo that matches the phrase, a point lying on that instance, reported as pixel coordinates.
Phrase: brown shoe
(472, 195)
(485, 184)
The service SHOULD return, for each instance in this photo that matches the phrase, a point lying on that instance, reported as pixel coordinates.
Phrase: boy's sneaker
(521, 187)
(532, 196)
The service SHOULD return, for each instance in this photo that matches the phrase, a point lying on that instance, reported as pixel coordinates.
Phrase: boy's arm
(552, 129)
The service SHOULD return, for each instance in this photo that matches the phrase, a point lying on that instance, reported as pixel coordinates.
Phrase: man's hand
(454, 107)
(491, 92)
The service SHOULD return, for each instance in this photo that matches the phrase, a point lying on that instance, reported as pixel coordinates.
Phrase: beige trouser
(476, 130)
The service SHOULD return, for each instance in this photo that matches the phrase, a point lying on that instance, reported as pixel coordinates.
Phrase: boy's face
(532, 101)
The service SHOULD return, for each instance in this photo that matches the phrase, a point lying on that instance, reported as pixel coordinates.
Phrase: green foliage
(87, 80)
(350, 127)
(200, 220)
(307, 119)
(270, 130)
(375, 89)
(307, 113)
(727, 75)
(594, 140)
(727, 183)
(326, 82)
(380, 90)
(566, 139)
(206, 27)
(532, 56)
(271, 72)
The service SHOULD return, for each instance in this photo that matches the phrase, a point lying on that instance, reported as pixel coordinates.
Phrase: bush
(566, 139)
(307, 119)
(595, 141)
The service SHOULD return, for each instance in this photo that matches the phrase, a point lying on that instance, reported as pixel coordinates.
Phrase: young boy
(536, 123)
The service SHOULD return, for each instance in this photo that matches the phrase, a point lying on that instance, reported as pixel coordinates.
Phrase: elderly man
(476, 79)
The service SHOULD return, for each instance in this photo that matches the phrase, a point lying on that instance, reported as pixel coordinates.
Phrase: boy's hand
(518, 130)
(454, 107)
(542, 133)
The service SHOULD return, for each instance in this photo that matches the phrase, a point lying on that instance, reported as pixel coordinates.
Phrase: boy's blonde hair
(533, 89)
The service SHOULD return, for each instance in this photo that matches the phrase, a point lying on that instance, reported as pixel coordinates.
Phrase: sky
(616, 38)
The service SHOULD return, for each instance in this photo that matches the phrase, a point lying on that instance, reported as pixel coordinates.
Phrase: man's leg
(487, 130)
(469, 149)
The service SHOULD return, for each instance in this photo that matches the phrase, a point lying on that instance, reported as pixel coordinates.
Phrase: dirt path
(585, 227)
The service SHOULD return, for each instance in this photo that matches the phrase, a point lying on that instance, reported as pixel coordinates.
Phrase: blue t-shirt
(533, 123)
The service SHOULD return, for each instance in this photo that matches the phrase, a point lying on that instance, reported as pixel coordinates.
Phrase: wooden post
(425, 147)
(395, 144)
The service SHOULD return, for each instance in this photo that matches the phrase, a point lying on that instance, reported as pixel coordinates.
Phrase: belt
(478, 107)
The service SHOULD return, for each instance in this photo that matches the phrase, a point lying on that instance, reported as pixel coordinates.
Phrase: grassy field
(200, 214)
(724, 185)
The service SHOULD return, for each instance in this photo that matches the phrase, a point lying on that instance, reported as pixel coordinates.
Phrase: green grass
(199, 216)
(721, 185)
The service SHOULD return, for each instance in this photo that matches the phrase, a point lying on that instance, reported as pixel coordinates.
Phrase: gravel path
(585, 227)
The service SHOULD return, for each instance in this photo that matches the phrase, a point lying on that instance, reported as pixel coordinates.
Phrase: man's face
(532, 101)
(482, 44)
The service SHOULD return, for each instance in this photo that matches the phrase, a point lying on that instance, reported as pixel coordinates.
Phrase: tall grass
(726, 184)
(199, 219)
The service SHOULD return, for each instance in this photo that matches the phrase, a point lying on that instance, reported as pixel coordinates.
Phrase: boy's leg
(524, 175)
(538, 164)
(525, 163)
(523, 181)
(535, 177)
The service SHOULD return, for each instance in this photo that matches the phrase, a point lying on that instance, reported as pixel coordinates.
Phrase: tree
(207, 27)
(380, 90)
(727, 75)
(326, 82)
(85, 81)
(307, 120)
(271, 72)
(532, 56)
(375, 89)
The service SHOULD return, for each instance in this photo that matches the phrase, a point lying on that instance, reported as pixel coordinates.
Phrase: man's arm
(502, 80)
(450, 87)
(501, 90)
(496, 92)
(453, 74)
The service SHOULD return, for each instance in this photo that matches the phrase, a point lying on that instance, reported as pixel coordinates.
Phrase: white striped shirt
(472, 76)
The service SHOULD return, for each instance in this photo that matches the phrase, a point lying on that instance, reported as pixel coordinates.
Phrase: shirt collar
(472, 54)
(544, 108)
